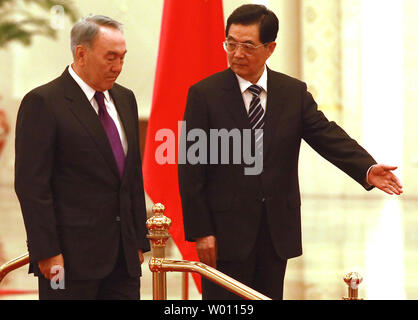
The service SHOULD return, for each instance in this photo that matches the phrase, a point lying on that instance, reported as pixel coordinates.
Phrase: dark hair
(249, 14)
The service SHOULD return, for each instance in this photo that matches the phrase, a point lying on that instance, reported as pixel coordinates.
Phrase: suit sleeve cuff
(369, 186)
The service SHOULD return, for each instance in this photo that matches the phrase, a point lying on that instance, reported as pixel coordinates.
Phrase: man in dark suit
(78, 173)
(248, 225)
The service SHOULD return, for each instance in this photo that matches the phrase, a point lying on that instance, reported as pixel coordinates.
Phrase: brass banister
(13, 264)
(210, 273)
(158, 226)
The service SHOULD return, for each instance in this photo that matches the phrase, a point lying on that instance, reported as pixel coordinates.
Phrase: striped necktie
(256, 116)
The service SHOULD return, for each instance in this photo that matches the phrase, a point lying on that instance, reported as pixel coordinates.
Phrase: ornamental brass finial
(353, 280)
(158, 226)
(158, 221)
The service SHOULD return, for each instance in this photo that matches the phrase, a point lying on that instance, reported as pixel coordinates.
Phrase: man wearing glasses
(247, 226)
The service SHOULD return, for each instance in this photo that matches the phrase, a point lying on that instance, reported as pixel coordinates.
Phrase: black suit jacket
(221, 200)
(72, 198)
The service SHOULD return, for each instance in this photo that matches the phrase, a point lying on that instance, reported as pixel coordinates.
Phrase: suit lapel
(82, 109)
(234, 102)
(273, 110)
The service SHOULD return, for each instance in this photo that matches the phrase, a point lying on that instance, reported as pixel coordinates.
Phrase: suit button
(118, 219)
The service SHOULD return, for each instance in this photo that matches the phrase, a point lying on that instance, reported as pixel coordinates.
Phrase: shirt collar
(245, 84)
(88, 91)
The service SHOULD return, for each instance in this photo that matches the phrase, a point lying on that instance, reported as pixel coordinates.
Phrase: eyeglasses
(248, 48)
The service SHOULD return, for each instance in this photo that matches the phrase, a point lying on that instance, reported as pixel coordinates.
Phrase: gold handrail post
(185, 286)
(353, 280)
(158, 226)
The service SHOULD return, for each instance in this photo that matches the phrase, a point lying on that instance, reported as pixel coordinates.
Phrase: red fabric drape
(190, 49)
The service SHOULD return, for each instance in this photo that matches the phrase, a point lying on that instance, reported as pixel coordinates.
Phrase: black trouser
(263, 270)
(117, 285)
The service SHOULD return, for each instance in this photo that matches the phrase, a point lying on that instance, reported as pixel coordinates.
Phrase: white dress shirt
(247, 96)
(110, 106)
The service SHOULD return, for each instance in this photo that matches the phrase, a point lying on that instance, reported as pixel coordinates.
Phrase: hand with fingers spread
(381, 177)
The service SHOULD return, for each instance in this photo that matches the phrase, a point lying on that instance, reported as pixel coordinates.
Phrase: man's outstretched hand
(381, 177)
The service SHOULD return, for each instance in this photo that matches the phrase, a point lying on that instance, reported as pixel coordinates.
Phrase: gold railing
(13, 264)
(158, 226)
(210, 273)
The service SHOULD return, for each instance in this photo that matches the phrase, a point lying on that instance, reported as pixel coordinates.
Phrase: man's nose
(117, 66)
(239, 52)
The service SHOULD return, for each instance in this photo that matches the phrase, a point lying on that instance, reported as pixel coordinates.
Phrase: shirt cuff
(367, 176)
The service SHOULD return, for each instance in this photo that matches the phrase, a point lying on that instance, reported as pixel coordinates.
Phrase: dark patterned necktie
(111, 131)
(256, 116)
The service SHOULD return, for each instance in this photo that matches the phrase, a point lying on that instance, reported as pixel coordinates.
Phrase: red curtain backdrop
(190, 49)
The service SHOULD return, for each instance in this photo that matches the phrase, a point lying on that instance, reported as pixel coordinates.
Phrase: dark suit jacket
(221, 200)
(72, 198)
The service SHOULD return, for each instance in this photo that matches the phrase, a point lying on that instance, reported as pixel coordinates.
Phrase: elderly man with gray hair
(78, 173)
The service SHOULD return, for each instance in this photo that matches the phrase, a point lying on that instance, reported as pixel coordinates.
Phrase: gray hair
(85, 30)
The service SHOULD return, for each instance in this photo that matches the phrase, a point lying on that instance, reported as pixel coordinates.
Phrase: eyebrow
(232, 38)
(115, 53)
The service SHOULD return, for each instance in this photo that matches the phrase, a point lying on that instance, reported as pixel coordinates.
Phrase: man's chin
(108, 85)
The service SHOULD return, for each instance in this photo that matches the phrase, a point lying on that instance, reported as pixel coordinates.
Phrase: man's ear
(270, 48)
(80, 54)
